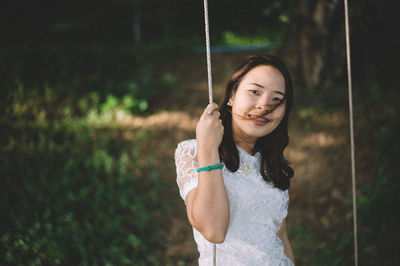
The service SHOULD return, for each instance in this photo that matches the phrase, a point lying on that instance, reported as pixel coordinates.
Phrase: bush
(73, 194)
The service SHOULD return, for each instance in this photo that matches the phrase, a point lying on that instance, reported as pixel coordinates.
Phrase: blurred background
(95, 96)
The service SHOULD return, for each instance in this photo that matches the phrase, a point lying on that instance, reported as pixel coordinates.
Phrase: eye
(254, 92)
(277, 99)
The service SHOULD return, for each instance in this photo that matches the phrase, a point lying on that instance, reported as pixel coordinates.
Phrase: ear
(231, 98)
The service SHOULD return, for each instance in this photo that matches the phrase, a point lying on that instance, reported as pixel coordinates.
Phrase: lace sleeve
(186, 165)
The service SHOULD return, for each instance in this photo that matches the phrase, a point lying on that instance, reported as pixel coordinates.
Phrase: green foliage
(231, 38)
(73, 192)
(311, 252)
(127, 103)
(122, 76)
(378, 208)
(377, 184)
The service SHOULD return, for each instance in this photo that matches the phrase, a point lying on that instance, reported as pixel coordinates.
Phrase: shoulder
(186, 148)
(188, 142)
(186, 145)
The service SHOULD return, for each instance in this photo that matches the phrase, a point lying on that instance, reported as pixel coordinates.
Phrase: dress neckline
(244, 152)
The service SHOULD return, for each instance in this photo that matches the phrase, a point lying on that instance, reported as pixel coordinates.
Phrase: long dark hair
(274, 167)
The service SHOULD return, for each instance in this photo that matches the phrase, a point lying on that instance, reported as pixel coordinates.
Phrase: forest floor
(319, 210)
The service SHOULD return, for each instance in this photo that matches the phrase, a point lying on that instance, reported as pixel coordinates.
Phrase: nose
(263, 108)
(265, 103)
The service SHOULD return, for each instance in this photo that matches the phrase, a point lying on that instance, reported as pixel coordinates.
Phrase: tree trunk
(310, 39)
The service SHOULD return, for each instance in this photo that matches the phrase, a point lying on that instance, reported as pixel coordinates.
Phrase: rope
(353, 167)
(210, 92)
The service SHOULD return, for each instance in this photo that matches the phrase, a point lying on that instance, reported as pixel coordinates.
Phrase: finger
(212, 106)
(215, 106)
(206, 112)
(216, 115)
(209, 110)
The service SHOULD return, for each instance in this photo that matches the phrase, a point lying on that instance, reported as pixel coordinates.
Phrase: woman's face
(260, 98)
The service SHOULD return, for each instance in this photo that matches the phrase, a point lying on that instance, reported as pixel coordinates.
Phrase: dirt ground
(318, 150)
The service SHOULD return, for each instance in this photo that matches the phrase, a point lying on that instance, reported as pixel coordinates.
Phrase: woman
(233, 177)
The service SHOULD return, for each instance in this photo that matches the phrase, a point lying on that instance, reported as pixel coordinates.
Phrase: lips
(259, 118)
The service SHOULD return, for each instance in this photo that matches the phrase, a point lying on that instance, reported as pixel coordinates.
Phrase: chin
(254, 131)
(258, 134)
(261, 132)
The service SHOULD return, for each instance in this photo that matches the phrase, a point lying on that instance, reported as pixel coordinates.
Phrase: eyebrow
(261, 86)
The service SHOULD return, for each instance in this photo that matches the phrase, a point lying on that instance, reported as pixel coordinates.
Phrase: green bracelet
(211, 167)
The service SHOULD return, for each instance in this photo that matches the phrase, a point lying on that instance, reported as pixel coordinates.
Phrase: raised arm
(207, 204)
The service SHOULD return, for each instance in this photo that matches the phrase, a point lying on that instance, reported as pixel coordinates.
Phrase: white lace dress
(256, 211)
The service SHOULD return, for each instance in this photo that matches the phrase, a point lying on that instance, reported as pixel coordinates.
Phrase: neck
(245, 142)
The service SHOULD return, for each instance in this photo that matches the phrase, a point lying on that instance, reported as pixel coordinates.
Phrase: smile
(259, 119)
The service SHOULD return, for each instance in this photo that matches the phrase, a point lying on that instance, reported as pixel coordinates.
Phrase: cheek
(279, 112)
(243, 105)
